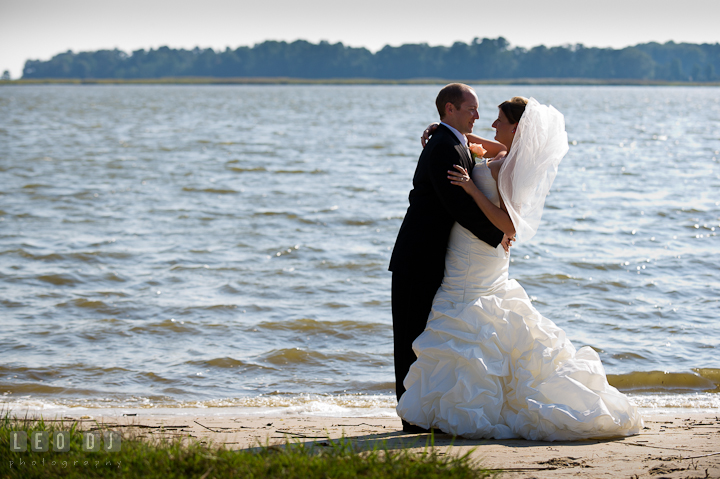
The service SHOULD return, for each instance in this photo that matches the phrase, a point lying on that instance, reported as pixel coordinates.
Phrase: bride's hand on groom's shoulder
(428, 133)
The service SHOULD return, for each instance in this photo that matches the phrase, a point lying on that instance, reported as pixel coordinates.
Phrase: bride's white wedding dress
(490, 366)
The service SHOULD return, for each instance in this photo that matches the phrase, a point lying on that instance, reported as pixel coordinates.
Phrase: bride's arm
(497, 216)
(492, 148)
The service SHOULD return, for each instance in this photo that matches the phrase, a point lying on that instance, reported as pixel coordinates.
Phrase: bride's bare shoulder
(495, 164)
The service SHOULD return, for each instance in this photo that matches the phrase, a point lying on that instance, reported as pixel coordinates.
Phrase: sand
(671, 446)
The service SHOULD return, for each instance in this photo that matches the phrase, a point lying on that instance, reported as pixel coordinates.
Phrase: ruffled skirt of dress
(490, 366)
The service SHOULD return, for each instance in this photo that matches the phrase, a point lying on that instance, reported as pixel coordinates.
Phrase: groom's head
(458, 107)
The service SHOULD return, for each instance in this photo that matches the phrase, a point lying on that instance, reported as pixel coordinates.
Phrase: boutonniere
(476, 150)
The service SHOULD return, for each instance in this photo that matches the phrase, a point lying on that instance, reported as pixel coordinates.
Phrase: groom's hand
(507, 242)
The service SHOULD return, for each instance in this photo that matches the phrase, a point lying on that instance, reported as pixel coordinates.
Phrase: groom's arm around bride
(418, 259)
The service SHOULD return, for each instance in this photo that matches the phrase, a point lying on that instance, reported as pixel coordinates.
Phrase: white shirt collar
(460, 136)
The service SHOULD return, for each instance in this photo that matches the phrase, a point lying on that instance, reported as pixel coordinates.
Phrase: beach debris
(564, 462)
(212, 430)
(704, 455)
(523, 469)
(657, 470)
(357, 425)
(304, 436)
(654, 447)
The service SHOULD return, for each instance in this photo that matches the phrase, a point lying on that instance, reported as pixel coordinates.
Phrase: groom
(418, 259)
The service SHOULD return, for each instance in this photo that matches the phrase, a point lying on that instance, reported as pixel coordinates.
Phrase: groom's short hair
(453, 93)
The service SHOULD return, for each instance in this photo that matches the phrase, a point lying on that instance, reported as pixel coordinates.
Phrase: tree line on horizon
(481, 59)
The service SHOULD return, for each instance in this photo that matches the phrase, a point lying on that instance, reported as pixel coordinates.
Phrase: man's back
(423, 236)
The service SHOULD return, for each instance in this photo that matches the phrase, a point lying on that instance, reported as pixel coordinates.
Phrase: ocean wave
(700, 380)
(164, 327)
(316, 171)
(296, 357)
(272, 400)
(255, 169)
(703, 401)
(341, 405)
(216, 191)
(342, 328)
(62, 279)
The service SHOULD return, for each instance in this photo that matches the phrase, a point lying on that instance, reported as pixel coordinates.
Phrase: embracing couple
(473, 357)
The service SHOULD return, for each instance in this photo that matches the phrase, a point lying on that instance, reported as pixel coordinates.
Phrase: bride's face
(504, 130)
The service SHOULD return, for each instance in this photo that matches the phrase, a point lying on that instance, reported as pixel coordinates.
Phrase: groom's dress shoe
(412, 428)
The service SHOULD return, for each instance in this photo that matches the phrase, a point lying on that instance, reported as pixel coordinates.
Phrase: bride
(488, 364)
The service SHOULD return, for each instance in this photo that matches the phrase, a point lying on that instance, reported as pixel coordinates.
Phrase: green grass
(175, 459)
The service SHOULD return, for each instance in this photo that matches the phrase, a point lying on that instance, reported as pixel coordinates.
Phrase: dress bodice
(473, 268)
(482, 177)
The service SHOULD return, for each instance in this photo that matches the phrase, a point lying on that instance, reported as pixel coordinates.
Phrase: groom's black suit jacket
(435, 205)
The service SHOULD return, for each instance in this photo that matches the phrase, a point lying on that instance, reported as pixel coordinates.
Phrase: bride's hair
(514, 108)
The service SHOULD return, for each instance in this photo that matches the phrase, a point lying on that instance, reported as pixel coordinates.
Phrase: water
(227, 246)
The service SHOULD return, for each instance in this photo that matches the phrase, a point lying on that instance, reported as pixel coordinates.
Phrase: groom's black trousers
(412, 297)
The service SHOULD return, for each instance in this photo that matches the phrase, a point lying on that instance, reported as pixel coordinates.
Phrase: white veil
(531, 166)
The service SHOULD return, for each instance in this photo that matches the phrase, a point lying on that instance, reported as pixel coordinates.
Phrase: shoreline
(76, 412)
(349, 81)
(681, 445)
(309, 409)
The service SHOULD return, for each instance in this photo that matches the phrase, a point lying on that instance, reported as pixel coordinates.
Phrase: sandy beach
(682, 445)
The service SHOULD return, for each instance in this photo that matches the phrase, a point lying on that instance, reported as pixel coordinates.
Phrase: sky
(40, 29)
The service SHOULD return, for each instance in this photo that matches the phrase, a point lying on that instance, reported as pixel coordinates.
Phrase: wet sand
(670, 446)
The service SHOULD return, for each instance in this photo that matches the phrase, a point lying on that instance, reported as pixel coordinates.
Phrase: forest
(481, 59)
